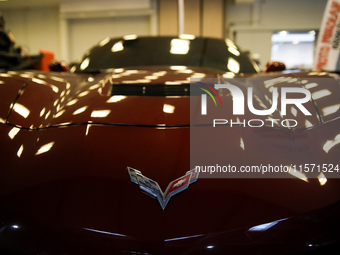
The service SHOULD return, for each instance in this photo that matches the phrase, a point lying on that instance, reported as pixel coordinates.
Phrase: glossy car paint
(64, 187)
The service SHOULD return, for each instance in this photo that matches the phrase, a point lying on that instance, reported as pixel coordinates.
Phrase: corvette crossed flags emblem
(152, 188)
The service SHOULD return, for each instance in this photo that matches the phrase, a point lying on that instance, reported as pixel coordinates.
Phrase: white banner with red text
(328, 45)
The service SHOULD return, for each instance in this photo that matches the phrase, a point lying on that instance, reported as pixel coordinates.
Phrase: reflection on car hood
(46, 100)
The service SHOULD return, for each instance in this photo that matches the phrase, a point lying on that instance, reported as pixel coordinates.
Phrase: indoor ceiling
(29, 3)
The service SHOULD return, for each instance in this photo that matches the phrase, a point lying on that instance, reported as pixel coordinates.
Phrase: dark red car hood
(66, 166)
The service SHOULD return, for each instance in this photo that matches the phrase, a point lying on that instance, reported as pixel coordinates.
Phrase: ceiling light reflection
(330, 109)
(45, 148)
(57, 78)
(198, 75)
(130, 37)
(172, 83)
(331, 143)
(118, 46)
(308, 123)
(143, 81)
(19, 152)
(129, 81)
(322, 179)
(26, 75)
(13, 132)
(293, 111)
(82, 94)
(116, 76)
(6, 75)
(296, 173)
(167, 108)
(187, 36)
(179, 46)
(228, 75)
(21, 110)
(311, 85)
(80, 110)
(151, 77)
(105, 41)
(96, 86)
(87, 129)
(272, 82)
(131, 71)
(230, 43)
(100, 113)
(85, 63)
(119, 70)
(39, 81)
(241, 143)
(178, 67)
(115, 99)
(233, 65)
(186, 71)
(64, 124)
(234, 51)
(72, 102)
(58, 114)
(320, 94)
(47, 115)
(161, 73)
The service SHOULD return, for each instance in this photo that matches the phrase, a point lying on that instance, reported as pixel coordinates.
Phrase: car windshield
(218, 54)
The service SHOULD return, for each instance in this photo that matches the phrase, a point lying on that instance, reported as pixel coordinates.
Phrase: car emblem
(152, 188)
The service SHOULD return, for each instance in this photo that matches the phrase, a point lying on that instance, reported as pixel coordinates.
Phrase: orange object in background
(46, 59)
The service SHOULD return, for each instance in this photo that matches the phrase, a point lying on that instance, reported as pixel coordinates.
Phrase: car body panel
(99, 197)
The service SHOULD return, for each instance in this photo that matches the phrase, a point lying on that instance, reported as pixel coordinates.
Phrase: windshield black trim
(150, 90)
